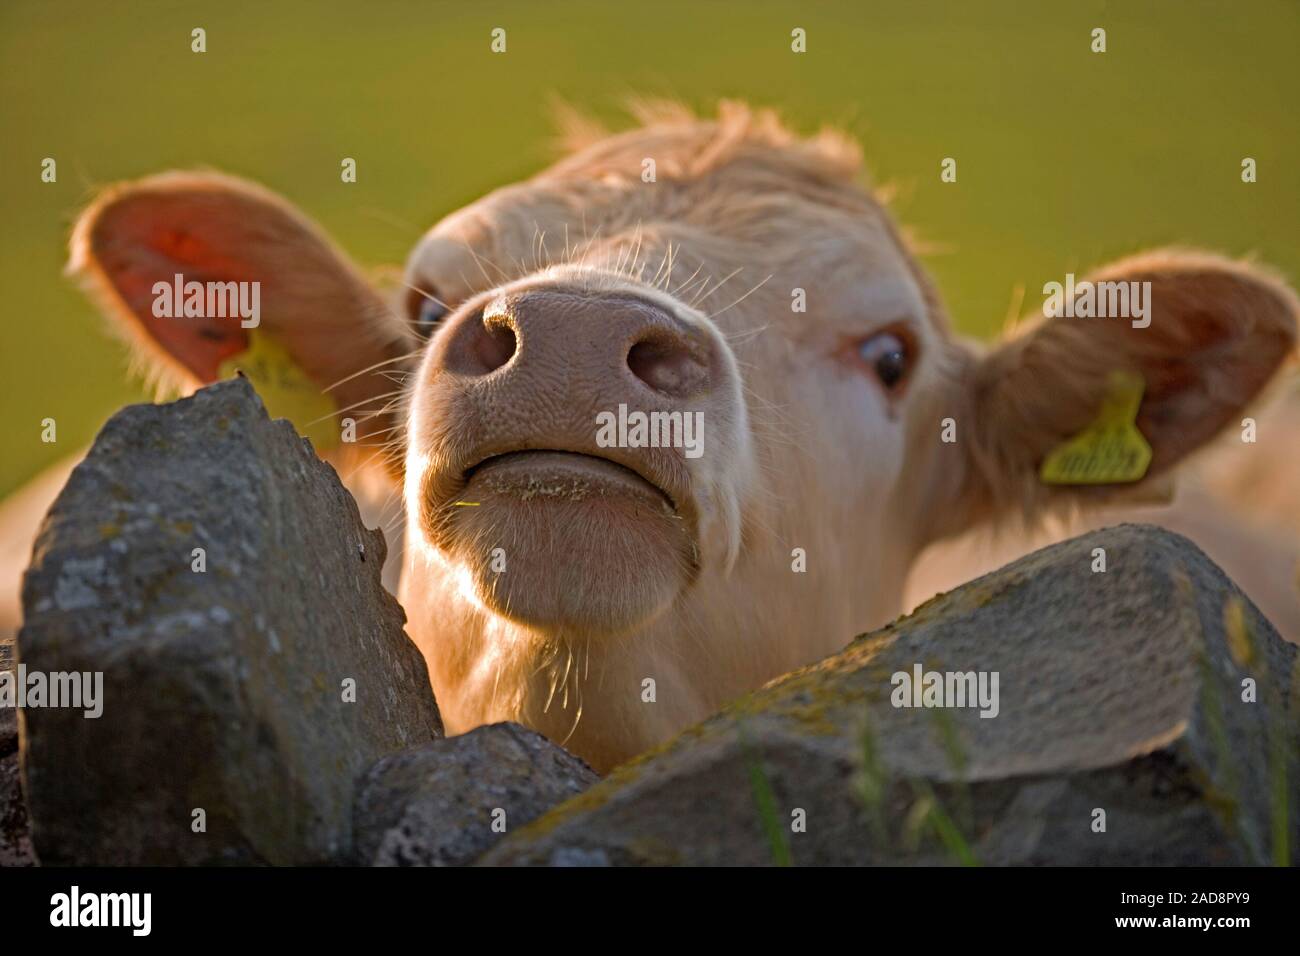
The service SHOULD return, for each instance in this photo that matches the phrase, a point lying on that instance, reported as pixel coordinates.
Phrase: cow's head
(722, 275)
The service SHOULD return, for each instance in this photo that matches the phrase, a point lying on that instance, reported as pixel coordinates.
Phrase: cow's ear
(1059, 412)
(319, 328)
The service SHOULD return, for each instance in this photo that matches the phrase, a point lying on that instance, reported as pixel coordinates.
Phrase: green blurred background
(1065, 158)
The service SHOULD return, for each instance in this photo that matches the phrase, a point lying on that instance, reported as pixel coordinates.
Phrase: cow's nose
(482, 344)
(669, 365)
(602, 338)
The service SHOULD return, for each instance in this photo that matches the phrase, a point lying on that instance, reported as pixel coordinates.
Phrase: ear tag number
(1111, 450)
(286, 390)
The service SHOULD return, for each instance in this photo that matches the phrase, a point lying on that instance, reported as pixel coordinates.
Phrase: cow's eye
(887, 356)
(426, 311)
(430, 315)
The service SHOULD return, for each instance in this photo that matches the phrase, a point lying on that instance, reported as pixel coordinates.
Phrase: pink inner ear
(144, 250)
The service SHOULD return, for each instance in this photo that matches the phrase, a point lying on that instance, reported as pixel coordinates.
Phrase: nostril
(668, 367)
(495, 346)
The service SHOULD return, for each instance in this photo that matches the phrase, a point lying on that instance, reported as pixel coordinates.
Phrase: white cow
(592, 578)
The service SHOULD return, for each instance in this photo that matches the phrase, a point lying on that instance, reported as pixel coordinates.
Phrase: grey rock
(435, 805)
(223, 691)
(15, 833)
(8, 715)
(1119, 691)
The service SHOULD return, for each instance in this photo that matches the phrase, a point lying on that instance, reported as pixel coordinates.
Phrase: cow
(602, 584)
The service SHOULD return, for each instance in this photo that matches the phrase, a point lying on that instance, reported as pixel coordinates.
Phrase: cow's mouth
(566, 542)
(543, 473)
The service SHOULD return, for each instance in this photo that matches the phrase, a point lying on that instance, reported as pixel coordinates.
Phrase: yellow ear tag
(1111, 450)
(286, 390)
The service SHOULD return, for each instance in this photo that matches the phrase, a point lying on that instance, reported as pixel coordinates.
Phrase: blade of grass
(765, 800)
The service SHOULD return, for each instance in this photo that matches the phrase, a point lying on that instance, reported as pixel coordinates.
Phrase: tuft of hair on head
(575, 129)
(693, 144)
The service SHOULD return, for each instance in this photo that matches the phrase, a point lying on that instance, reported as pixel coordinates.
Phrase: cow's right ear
(314, 308)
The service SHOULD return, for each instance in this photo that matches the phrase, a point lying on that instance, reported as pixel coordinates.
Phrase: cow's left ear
(1067, 391)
